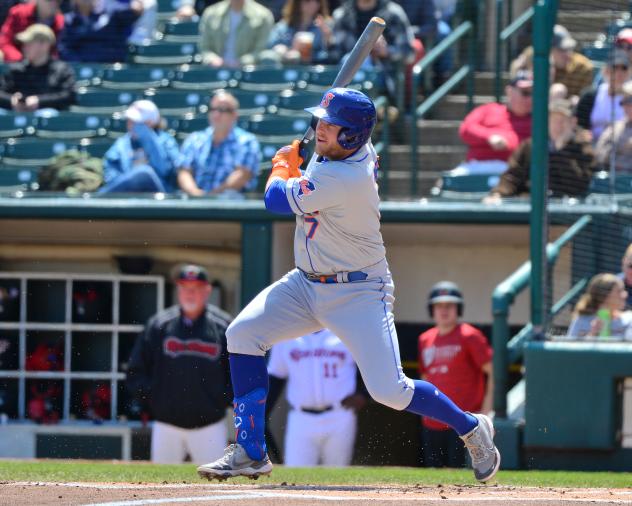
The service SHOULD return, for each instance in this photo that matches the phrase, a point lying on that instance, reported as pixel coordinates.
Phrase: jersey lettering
(175, 347)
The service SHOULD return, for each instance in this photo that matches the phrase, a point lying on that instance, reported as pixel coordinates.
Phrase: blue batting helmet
(445, 291)
(350, 109)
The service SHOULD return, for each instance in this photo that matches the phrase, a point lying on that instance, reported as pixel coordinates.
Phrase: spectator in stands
(223, 158)
(234, 32)
(493, 131)
(570, 68)
(571, 160)
(143, 30)
(600, 105)
(623, 41)
(430, 25)
(600, 310)
(308, 19)
(457, 358)
(616, 140)
(179, 366)
(38, 81)
(20, 17)
(145, 158)
(626, 275)
(392, 50)
(275, 6)
(99, 36)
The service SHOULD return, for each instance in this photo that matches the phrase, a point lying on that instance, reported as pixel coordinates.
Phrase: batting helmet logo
(329, 96)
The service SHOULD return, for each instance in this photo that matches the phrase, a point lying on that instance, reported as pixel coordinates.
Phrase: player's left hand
(354, 401)
(288, 159)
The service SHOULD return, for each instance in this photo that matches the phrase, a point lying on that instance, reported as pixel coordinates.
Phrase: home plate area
(103, 494)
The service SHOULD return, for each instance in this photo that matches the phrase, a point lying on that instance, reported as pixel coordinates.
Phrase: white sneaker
(235, 462)
(484, 454)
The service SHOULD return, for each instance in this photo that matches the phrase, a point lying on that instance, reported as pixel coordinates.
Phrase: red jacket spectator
(22, 16)
(493, 131)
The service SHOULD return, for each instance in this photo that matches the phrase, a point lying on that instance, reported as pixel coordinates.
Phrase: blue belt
(347, 277)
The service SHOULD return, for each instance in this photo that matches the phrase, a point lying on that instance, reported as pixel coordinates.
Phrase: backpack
(72, 171)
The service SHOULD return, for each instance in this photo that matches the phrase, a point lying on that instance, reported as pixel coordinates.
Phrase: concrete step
(433, 132)
(454, 107)
(591, 19)
(399, 184)
(431, 158)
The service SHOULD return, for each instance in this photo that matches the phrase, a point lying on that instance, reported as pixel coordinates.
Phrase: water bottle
(604, 316)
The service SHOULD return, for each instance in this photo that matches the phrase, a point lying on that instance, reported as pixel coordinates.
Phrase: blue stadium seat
(252, 102)
(178, 102)
(69, 125)
(191, 77)
(134, 78)
(278, 129)
(181, 31)
(270, 78)
(291, 102)
(184, 126)
(164, 53)
(15, 125)
(99, 101)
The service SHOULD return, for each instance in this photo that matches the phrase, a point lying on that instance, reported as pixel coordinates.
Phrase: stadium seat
(87, 74)
(182, 31)
(184, 126)
(167, 8)
(15, 125)
(70, 126)
(134, 78)
(269, 78)
(164, 53)
(251, 102)
(178, 102)
(278, 129)
(191, 77)
(99, 101)
(32, 152)
(455, 184)
(268, 150)
(291, 102)
(14, 178)
(95, 146)
(601, 183)
(319, 79)
(598, 52)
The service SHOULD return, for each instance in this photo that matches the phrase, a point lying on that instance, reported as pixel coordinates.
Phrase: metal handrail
(504, 295)
(466, 71)
(502, 37)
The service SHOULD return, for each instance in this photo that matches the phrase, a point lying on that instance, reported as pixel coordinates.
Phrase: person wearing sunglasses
(493, 131)
(571, 160)
(223, 158)
(23, 15)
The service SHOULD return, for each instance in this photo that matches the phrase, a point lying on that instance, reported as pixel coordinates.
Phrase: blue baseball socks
(429, 401)
(249, 376)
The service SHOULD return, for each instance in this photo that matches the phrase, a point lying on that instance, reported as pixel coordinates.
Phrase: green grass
(76, 471)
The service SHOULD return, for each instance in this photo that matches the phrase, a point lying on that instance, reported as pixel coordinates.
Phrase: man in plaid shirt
(392, 50)
(222, 158)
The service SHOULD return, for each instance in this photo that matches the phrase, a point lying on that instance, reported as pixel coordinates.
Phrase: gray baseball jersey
(337, 214)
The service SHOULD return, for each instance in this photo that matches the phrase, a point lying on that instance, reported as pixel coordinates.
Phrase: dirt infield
(111, 494)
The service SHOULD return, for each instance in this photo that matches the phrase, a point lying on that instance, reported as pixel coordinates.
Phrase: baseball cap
(36, 31)
(624, 35)
(192, 272)
(620, 57)
(562, 106)
(562, 39)
(445, 291)
(626, 90)
(143, 111)
(522, 79)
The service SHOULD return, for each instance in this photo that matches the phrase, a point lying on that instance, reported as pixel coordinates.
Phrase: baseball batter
(321, 389)
(341, 282)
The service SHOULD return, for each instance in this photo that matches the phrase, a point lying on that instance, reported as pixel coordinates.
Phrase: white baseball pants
(171, 444)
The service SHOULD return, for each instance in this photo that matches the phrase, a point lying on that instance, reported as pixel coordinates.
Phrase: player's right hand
(287, 160)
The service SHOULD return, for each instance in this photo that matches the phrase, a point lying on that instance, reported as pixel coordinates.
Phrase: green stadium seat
(601, 183)
(87, 74)
(597, 53)
(278, 129)
(270, 78)
(203, 78)
(167, 8)
(252, 102)
(182, 31)
(32, 152)
(99, 101)
(290, 102)
(320, 78)
(456, 184)
(184, 126)
(164, 53)
(178, 102)
(95, 146)
(70, 125)
(15, 178)
(134, 78)
(15, 125)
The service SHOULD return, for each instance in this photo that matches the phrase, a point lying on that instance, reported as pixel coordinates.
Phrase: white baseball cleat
(235, 462)
(484, 454)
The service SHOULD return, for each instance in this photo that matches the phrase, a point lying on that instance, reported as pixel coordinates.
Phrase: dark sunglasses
(628, 266)
(222, 109)
(524, 92)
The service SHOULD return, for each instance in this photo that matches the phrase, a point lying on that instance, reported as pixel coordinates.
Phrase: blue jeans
(139, 180)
